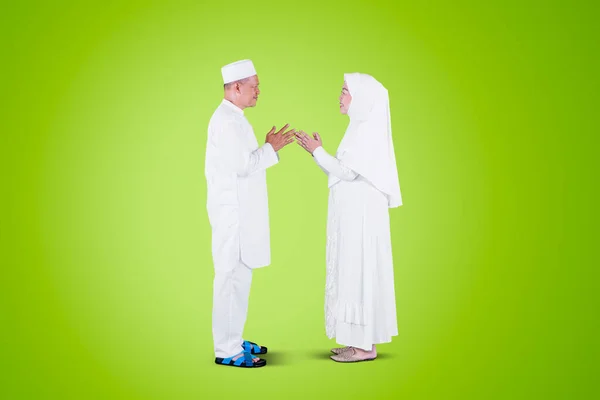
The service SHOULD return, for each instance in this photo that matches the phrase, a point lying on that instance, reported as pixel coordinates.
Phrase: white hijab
(367, 146)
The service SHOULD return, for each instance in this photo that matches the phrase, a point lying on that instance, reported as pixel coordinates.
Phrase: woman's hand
(308, 143)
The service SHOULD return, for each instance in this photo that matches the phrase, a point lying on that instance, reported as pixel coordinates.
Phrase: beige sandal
(339, 350)
(349, 356)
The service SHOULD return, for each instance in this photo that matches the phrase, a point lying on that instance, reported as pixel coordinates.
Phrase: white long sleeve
(238, 158)
(332, 165)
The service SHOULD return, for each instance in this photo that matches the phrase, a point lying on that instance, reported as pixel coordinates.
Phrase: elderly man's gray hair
(230, 84)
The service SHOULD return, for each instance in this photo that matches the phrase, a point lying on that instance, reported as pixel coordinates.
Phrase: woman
(360, 305)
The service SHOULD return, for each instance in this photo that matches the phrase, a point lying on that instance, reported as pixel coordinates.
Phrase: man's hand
(307, 143)
(279, 140)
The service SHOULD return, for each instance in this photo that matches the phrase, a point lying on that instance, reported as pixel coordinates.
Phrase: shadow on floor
(277, 358)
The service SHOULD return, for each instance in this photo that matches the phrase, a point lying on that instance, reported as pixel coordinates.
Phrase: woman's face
(345, 99)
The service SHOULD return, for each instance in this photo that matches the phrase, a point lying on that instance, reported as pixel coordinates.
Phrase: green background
(106, 264)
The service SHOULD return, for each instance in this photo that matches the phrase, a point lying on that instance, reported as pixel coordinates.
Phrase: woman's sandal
(339, 350)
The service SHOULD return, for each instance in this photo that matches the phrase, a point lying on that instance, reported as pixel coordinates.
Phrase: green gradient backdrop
(107, 272)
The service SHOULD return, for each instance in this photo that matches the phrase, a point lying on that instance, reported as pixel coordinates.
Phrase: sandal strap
(249, 346)
(248, 359)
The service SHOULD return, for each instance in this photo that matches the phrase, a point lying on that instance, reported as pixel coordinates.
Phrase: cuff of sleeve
(319, 152)
(271, 155)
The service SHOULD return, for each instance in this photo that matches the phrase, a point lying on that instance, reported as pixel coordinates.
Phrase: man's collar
(233, 106)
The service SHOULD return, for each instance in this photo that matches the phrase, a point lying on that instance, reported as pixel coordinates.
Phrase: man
(238, 210)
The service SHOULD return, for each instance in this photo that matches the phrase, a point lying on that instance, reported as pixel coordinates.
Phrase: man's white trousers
(231, 290)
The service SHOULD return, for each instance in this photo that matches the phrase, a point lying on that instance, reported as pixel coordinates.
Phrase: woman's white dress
(360, 305)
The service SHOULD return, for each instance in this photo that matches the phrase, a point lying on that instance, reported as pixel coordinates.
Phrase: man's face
(248, 92)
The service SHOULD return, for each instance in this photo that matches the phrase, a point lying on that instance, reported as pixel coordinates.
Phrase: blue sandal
(246, 361)
(253, 348)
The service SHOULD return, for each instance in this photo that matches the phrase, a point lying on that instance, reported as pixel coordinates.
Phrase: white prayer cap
(237, 70)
